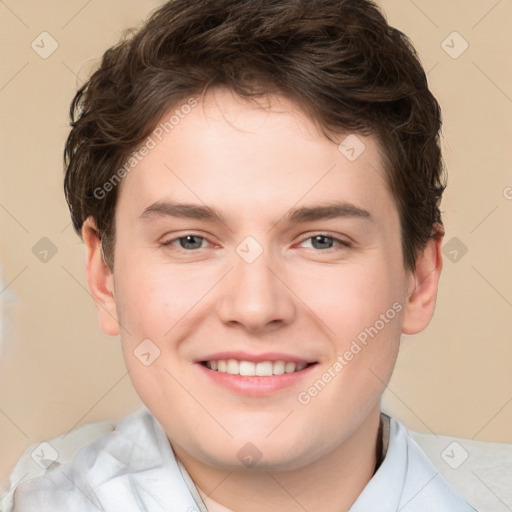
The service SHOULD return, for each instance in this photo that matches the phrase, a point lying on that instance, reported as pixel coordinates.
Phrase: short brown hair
(338, 60)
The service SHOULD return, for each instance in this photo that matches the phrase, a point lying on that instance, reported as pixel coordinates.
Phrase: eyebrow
(184, 210)
(324, 212)
(293, 216)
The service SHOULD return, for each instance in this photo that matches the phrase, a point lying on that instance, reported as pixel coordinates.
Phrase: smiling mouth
(251, 369)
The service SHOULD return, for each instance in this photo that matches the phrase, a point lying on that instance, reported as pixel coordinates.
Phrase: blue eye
(188, 242)
(323, 242)
(319, 242)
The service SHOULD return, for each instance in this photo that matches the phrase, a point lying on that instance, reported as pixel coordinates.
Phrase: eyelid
(344, 241)
(166, 242)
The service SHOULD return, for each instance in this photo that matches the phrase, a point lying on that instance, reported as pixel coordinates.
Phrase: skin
(254, 163)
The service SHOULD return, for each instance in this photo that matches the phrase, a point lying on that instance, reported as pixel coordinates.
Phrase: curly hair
(338, 60)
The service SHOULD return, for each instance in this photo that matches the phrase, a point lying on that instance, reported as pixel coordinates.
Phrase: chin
(280, 454)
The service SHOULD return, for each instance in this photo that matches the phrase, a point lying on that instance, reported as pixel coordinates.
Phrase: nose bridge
(254, 296)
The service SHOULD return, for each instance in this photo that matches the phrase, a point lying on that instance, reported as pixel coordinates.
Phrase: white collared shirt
(133, 469)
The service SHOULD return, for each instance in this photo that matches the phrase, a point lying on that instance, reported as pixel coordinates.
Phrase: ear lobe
(423, 286)
(100, 279)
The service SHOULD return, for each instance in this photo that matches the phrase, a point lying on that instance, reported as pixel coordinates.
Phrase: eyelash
(339, 241)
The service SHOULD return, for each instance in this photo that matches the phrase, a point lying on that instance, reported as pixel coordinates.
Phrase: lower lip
(256, 386)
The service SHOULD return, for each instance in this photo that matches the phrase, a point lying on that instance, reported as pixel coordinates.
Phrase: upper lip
(255, 358)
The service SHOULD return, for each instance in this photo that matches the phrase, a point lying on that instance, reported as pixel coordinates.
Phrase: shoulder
(459, 474)
(408, 481)
(65, 471)
(480, 471)
(425, 488)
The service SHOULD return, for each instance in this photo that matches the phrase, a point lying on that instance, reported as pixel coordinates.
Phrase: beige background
(58, 370)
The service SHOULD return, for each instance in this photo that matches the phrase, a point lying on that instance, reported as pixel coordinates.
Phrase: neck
(331, 483)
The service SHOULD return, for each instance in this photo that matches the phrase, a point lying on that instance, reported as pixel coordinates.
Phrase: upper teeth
(250, 369)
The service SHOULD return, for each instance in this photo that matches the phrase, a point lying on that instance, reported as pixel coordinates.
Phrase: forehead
(244, 157)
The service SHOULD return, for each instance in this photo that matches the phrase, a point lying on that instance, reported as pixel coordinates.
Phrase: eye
(187, 242)
(323, 241)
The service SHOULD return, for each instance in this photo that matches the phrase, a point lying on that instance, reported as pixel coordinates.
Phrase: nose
(255, 296)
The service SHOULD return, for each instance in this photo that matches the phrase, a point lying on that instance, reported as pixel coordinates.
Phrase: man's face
(277, 279)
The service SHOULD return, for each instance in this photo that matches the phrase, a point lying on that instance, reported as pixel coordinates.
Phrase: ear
(100, 279)
(422, 288)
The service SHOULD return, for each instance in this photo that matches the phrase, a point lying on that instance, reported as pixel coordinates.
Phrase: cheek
(350, 298)
(362, 307)
(152, 299)
(151, 304)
